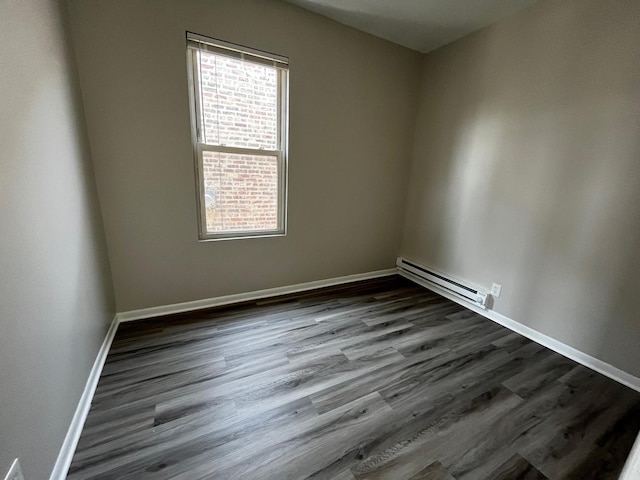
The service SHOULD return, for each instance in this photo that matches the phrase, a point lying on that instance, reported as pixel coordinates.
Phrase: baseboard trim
(151, 312)
(557, 346)
(631, 470)
(82, 410)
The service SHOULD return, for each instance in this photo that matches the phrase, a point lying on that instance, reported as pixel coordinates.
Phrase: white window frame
(195, 43)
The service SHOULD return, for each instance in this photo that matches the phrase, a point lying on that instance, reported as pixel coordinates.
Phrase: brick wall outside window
(239, 110)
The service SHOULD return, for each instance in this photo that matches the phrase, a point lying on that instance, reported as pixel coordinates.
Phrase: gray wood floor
(378, 380)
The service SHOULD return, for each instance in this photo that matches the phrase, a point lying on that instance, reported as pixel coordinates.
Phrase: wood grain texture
(375, 380)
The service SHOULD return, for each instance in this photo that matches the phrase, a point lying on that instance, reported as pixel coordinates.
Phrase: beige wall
(56, 299)
(526, 171)
(352, 112)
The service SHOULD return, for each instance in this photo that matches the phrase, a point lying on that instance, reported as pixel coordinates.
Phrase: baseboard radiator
(457, 287)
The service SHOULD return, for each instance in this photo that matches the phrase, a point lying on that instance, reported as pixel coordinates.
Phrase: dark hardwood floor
(377, 380)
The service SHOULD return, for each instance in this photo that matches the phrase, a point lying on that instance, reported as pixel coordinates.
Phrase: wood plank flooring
(376, 380)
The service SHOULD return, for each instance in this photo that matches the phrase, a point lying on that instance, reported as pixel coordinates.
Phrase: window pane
(239, 102)
(241, 192)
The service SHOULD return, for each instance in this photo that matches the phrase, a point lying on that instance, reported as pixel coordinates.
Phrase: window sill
(240, 236)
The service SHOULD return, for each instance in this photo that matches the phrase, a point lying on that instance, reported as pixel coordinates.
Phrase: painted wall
(526, 171)
(352, 110)
(56, 298)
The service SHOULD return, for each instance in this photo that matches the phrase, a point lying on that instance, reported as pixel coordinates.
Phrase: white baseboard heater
(459, 288)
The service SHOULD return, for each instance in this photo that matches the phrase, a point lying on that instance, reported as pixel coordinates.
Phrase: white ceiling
(422, 25)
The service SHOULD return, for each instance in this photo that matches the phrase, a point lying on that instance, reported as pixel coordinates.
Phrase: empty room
(320, 239)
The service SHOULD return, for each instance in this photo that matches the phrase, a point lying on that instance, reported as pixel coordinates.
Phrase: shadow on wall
(56, 297)
(528, 136)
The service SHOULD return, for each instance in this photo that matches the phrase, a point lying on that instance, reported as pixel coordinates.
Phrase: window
(239, 121)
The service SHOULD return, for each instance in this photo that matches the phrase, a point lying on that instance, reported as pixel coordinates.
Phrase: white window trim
(200, 147)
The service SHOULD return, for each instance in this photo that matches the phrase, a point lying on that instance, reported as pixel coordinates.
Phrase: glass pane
(241, 192)
(239, 102)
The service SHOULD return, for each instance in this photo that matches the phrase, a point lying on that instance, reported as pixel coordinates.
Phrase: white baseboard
(82, 410)
(582, 358)
(631, 470)
(244, 297)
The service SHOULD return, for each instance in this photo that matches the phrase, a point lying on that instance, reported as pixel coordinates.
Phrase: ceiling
(422, 25)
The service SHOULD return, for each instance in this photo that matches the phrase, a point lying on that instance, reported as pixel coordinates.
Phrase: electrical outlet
(15, 472)
(496, 288)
